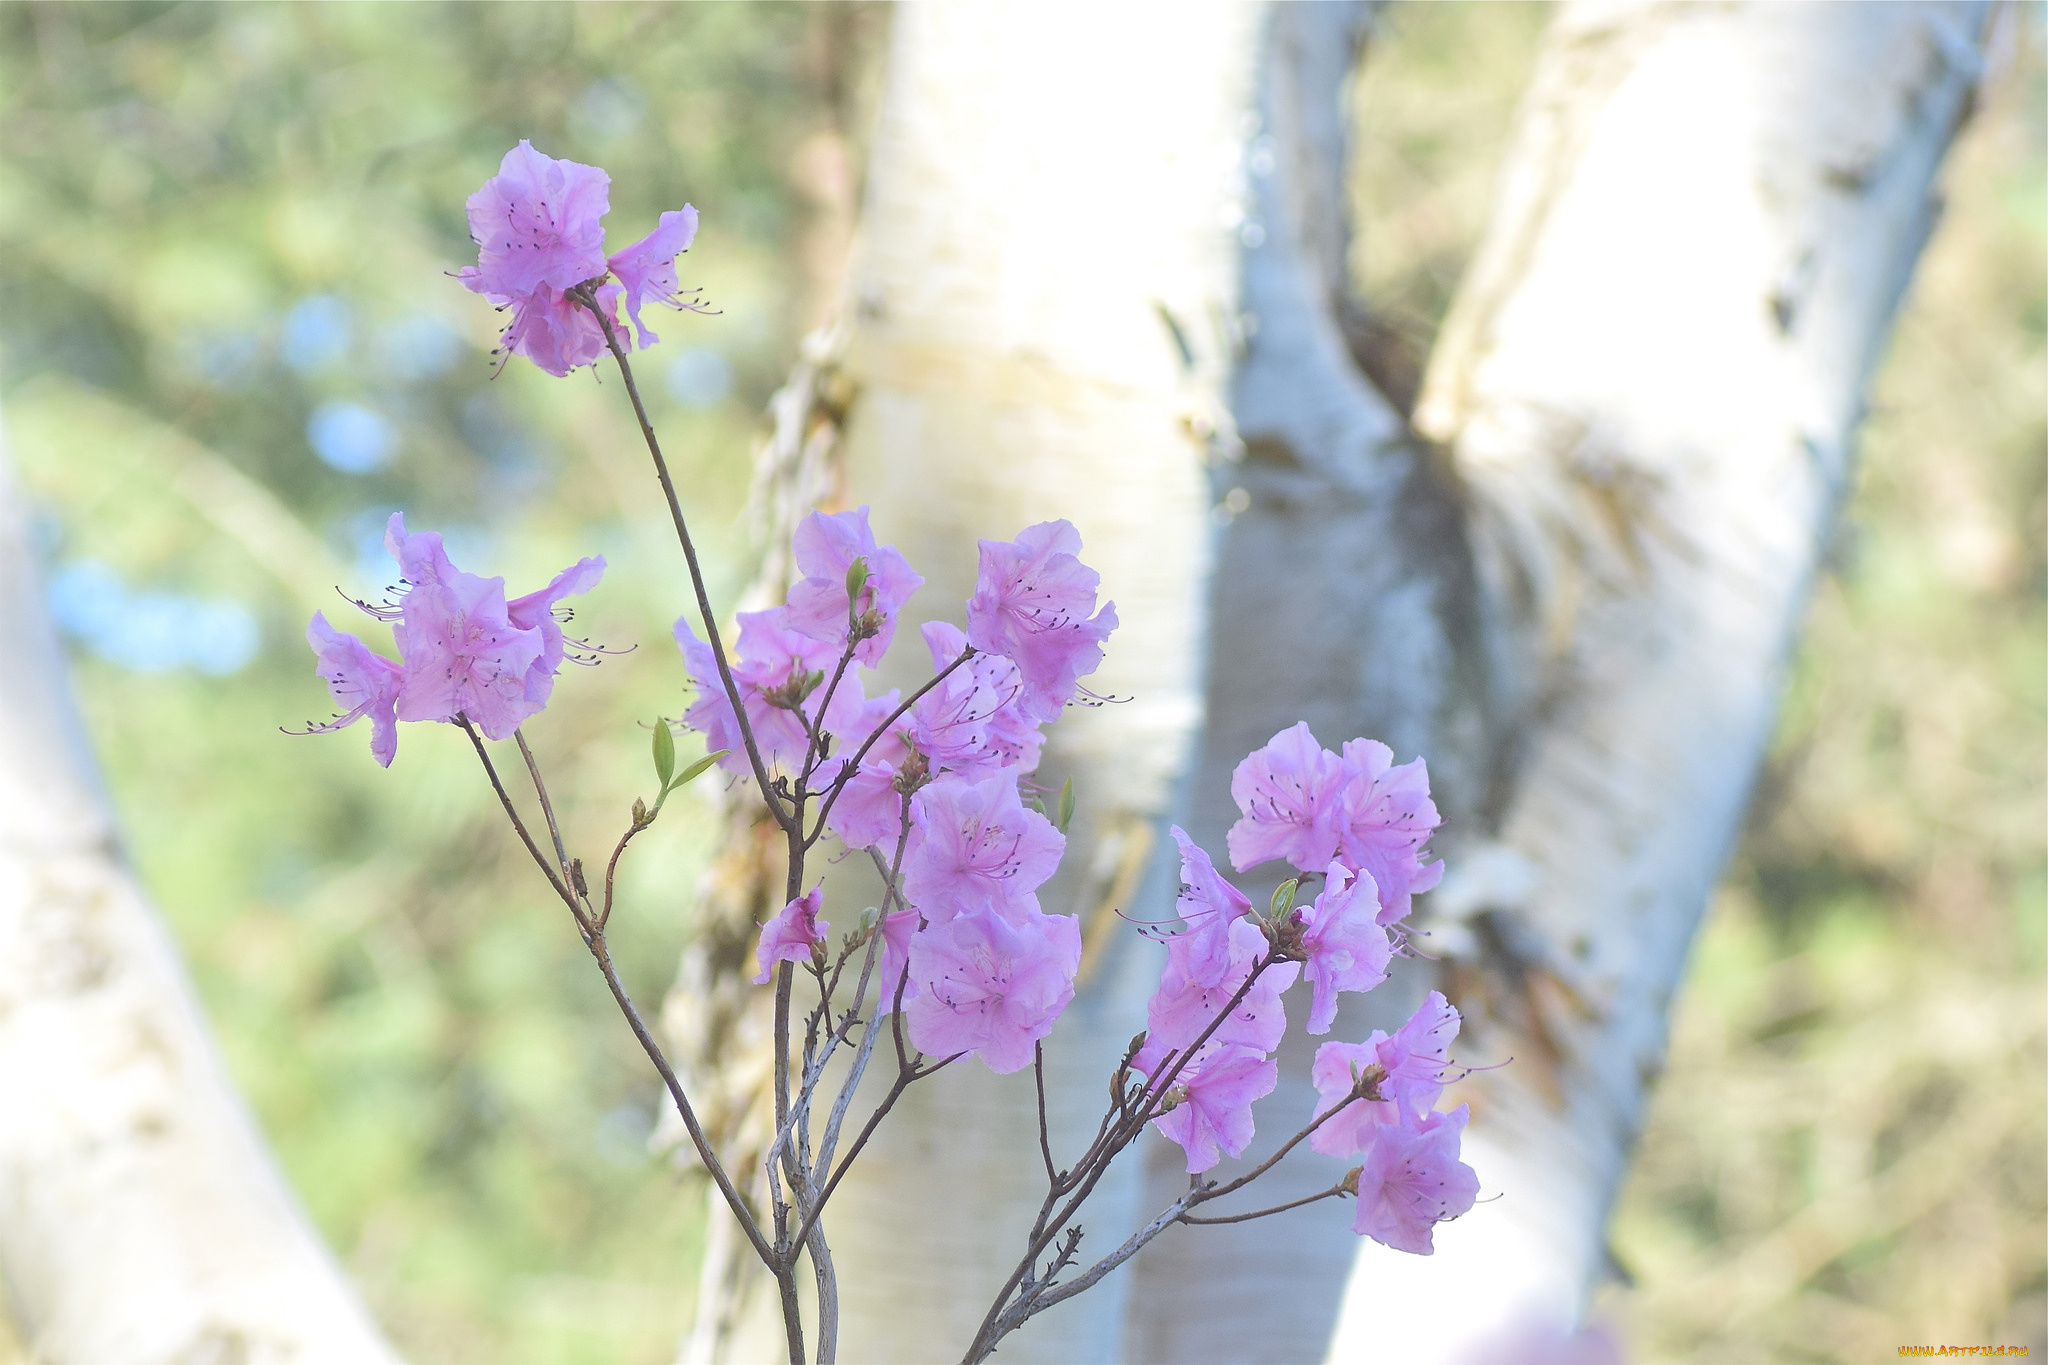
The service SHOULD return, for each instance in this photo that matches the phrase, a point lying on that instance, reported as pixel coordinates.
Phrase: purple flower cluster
(1363, 825)
(981, 968)
(538, 234)
(943, 785)
(464, 651)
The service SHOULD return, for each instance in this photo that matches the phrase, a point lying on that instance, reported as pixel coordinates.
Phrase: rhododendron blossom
(1411, 1180)
(772, 666)
(537, 222)
(826, 548)
(1214, 1119)
(1291, 796)
(1208, 906)
(1184, 1005)
(978, 847)
(647, 269)
(991, 987)
(464, 651)
(1387, 820)
(971, 724)
(538, 226)
(1347, 949)
(1301, 802)
(1411, 1076)
(361, 680)
(1034, 604)
(792, 934)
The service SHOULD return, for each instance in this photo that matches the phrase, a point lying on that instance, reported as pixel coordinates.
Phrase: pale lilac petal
(791, 934)
(536, 611)
(1386, 823)
(363, 683)
(1348, 949)
(1291, 797)
(981, 849)
(538, 222)
(1034, 604)
(1208, 905)
(647, 268)
(971, 724)
(1215, 1119)
(1411, 1180)
(991, 987)
(826, 547)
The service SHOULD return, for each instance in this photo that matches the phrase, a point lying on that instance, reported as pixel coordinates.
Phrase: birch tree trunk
(1648, 391)
(141, 1218)
(1573, 592)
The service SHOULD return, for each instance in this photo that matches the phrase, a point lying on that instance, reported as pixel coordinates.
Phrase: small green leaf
(695, 770)
(1283, 898)
(664, 752)
(856, 579)
(1066, 806)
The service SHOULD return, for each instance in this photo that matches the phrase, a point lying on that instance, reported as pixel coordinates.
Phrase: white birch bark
(141, 1218)
(1651, 384)
(1039, 206)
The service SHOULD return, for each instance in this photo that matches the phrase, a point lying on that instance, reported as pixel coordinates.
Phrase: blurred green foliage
(216, 219)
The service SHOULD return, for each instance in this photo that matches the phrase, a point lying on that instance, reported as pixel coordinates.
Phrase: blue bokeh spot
(351, 437)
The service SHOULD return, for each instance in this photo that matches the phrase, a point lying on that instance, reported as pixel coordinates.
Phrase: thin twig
(853, 764)
(675, 511)
(512, 813)
(1052, 1177)
(547, 807)
(1334, 1190)
(733, 1199)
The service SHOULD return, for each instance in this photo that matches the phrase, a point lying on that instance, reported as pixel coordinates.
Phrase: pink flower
(826, 547)
(978, 848)
(1413, 1062)
(648, 268)
(1347, 948)
(1034, 604)
(536, 611)
(897, 930)
(363, 682)
(1388, 818)
(464, 651)
(989, 986)
(1184, 1005)
(539, 234)
(463, 655)
(537, 222)
(1208, 906)
(1335, 1072)
(1412, 1180)
(792, 934)
(1418, 1054)
(1215, 1118)
(1291, 796)
(869, 809)
(971, 724)
(556, 333)
(770, 665)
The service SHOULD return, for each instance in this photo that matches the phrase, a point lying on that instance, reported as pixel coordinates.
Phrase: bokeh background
(228, 350)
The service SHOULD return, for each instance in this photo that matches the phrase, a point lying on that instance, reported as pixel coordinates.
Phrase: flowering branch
(960, 954)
